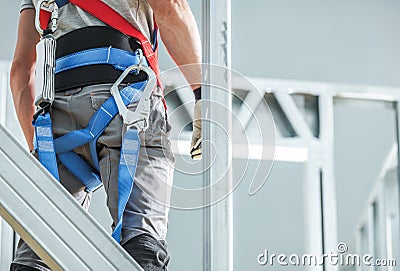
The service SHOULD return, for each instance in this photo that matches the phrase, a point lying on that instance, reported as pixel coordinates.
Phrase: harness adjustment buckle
(42, 109)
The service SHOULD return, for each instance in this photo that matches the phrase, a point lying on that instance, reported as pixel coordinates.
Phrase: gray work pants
(146, 215)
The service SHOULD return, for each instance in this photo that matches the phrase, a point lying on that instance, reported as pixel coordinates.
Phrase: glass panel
(392, 218)
(364, 138)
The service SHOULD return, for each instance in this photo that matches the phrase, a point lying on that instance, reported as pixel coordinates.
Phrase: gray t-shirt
(71, 17)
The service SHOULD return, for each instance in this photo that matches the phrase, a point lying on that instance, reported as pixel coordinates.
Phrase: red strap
(109, 16)
(44, 18)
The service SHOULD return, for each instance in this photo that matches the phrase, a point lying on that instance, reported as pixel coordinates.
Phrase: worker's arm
(180, 34)
(23, 72)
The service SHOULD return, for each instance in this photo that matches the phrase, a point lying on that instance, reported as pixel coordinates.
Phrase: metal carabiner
(139, 117)
(54, 14)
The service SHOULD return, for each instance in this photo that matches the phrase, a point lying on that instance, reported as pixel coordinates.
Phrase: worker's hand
(195, 147)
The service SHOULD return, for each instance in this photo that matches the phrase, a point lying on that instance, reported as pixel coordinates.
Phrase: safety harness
(62, 148)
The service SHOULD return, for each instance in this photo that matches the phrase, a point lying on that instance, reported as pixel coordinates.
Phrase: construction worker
(81, 91)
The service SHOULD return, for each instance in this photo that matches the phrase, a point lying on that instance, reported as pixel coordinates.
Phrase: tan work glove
(195, 147)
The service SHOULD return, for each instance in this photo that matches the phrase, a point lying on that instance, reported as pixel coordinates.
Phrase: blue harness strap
(99, 121)
(126, 173)
(119, 59)
(44, 143)
(61, 3)
(80, 169)
(64, 145)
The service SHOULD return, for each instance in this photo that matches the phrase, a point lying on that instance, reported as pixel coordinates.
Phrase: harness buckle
(140, 117)
(42, 109)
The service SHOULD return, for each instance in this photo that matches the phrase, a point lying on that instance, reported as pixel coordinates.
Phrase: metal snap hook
(54, 15)
(139, 117)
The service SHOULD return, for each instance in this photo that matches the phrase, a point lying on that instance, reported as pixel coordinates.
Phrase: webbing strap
(131, 143)
(126, 174)
(80, 169)
(44, 143)
(44, 18)
(61, 3)
(99, 121)
(65, 145)
(120, 59)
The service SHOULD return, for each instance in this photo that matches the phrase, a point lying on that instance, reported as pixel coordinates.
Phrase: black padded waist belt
(89, 38)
